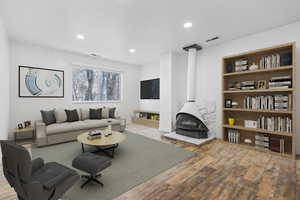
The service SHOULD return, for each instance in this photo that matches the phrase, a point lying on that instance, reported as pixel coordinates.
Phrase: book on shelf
(241, 65)
(268, 62)
(277, 144)
(233, 136)
(280, 82)
(269, 102)
(278, 123)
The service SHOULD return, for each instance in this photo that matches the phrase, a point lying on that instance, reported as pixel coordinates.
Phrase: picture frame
(20, 126)
(27, 124)
(228, 103)
(262, 84)
(40, 82)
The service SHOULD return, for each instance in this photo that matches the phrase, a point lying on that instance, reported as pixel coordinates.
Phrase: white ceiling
(152, 27)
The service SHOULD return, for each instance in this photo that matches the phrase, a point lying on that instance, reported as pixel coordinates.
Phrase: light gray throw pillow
(60, 115)
(105, 113)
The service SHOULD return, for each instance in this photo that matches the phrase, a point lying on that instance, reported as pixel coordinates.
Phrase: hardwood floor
(223, 171)
(219, 171)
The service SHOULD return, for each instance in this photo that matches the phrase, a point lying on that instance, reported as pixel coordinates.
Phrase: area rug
(136, 160)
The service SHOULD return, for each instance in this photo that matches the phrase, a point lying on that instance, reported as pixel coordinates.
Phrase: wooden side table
(24, 130)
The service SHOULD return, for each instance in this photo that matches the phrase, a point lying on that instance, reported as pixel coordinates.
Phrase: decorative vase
(231, 121)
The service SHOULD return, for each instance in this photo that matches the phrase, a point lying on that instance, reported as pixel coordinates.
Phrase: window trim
(103, 69)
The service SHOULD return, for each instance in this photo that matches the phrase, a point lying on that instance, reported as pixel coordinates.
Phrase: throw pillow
(111, 112)
(85, 113)
(60, 116)
(48, 117)
(72, 115)
(105, 113)
(96, 113)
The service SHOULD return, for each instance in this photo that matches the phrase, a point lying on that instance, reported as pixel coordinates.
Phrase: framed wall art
(40, 82)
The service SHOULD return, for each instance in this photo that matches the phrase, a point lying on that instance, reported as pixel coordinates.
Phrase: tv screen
(150, 89)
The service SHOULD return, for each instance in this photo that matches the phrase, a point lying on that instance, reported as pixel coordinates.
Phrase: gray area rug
(136, 160)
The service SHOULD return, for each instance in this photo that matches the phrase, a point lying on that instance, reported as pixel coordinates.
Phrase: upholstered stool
(92, 164)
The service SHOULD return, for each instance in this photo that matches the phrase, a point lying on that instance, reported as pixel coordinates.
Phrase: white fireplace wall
(173, 78)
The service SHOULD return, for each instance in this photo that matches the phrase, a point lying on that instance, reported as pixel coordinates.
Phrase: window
(95, 85)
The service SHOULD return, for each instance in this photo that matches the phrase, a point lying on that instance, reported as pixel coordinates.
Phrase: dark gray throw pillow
(48, 117)
(96, 113)
(72, 115)
(111, 113)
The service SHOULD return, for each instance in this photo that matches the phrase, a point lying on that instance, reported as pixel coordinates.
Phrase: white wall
(179, 83)
(173, 74)
(4, 86)
(150, 71)
(210, 63)
(165, 121)
(30, 55)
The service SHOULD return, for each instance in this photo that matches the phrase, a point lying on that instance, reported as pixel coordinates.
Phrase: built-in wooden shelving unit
(240, 113)
(146, 118)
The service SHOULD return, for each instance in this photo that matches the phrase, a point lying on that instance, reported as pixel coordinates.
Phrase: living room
(149, 100)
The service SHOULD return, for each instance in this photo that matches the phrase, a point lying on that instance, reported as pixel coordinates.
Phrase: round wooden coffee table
(103, 144)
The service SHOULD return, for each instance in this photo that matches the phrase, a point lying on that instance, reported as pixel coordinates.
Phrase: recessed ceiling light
(187, 24)
(80, 37)
(132, 50)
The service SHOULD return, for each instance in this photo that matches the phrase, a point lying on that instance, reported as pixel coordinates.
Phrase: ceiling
(152, 27)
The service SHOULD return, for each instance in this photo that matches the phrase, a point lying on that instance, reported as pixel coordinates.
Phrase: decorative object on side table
(27, 124)
(20, 126)
(40, 83)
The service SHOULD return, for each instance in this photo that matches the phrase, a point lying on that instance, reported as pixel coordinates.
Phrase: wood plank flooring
(219, 171)
(223, 171)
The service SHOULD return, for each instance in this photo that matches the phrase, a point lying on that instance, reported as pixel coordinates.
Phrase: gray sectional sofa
(68, 131)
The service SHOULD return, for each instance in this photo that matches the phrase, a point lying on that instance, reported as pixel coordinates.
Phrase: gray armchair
(34, 180)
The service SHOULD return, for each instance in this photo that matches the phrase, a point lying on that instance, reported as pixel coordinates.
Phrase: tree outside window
(91, 85)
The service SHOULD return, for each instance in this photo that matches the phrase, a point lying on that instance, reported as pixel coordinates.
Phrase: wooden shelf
(259, 71)
(259, 91)
(258, 130)
(146, 111)
(238, 96)
(259, 111)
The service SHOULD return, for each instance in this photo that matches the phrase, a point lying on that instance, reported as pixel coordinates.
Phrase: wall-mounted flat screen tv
(150, 89)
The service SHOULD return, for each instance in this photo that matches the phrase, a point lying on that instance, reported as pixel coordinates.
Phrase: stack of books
(280, 124)
(277, 144)
(233, 136)
(270, 102)
(283, 102)
(280, 82)
(248, 85)
(94, 135)
(268, 62)
(234, 86)
(262, 141)
(241, 65)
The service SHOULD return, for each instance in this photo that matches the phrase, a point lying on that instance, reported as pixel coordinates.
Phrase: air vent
(212, 39)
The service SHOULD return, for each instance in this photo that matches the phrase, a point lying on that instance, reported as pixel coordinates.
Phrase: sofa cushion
(111, 112)
(64, 127)
(79, 125)
(48, 117)
(60, 115)
(105, 113)
(85, 113)
(96, 113)
(72, 115)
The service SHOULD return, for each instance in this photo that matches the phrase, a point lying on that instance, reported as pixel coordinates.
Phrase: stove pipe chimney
(191, 73)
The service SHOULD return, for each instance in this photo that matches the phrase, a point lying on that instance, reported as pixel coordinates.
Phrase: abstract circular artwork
(38, 82)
